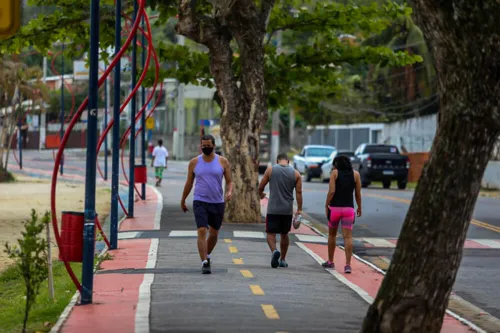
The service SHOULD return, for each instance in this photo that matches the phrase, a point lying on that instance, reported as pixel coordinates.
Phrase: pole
(131, 194)
(143, 117)
(106, 108)
(19, 141)
(61, 114)
(42, 111)
(116, 131)
(48, 235)
(275, 131)
(179, 117)
(90, 176)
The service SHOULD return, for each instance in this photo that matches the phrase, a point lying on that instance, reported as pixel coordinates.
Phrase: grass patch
(45, 310)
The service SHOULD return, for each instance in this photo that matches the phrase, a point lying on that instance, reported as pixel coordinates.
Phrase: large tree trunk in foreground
(466, 45)
(243, 99)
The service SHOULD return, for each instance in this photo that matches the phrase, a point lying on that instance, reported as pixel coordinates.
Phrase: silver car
(326, 168)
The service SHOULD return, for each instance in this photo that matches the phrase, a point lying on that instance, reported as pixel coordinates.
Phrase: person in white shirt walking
(159, 162)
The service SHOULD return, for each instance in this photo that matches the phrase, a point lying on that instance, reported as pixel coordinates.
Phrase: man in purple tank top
(208, 169)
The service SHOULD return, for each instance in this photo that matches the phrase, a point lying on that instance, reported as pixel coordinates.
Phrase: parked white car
(326, 168)
(310, 160)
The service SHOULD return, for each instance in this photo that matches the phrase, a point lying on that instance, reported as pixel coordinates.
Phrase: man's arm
(298, 191)
(357, 191)
(264, 181)
(154, 155)
(227, 177)
(189, 182)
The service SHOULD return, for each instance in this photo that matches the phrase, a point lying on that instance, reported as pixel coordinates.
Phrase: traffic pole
(61, 114)
(116, 131)
(143, 116)
(131, 194)
(105, 125)
(90, 176)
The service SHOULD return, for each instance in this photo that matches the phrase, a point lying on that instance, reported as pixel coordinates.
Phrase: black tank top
(344, 190)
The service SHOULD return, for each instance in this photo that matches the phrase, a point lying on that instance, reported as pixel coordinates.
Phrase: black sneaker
(275, 259)
(205, 269)
(209, 262)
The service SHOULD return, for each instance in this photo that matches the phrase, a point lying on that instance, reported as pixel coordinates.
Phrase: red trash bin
(140, 174)
(72, 236)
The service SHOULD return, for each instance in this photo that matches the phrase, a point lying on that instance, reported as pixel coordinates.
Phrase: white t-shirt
(160, 154)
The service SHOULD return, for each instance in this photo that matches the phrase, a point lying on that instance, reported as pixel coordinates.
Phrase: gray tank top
(281, 186)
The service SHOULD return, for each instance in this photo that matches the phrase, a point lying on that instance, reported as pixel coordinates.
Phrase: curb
(76, 297)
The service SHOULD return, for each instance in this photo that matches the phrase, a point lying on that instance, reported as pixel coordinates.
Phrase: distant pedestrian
(159, 161)
(207, 170)
(283, 180)
(344, 182)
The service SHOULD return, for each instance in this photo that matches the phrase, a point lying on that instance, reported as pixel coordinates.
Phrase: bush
(30, 256)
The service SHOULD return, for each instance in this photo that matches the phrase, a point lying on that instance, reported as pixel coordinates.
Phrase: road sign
(10, 17)
(150, 123)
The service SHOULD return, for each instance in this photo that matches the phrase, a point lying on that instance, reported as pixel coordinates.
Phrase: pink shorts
(344, 214)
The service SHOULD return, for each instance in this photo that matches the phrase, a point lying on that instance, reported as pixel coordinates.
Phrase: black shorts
(208, 214)
(278, 224)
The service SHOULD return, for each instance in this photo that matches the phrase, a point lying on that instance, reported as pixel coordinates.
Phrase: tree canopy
(307, 69)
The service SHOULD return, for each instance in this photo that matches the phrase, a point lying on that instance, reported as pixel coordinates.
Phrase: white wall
(415, 134)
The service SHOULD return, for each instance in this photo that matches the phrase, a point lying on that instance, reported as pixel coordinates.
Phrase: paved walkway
(154, 282)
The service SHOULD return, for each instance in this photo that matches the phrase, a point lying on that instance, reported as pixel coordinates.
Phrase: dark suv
(382, 163)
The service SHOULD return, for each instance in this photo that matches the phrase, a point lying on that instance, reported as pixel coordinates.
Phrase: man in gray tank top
(282, 179)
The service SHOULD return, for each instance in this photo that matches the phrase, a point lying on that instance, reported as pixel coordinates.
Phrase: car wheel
(308, 175)
(402, 185)
(364, 182)
(386, 183)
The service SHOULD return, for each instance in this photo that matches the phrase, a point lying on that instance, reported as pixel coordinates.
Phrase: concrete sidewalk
(154, 281)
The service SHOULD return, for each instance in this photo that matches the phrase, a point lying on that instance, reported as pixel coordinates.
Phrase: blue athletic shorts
(208, 214)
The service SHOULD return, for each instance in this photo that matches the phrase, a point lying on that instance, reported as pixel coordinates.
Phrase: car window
(346, 153)
(319, 152)
(381, 149)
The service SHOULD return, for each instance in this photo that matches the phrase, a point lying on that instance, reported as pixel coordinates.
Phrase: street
(375, 233)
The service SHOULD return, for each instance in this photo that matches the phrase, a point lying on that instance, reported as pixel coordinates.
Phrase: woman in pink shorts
(344, 183)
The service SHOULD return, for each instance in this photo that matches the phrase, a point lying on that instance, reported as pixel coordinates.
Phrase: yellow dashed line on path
(233, 249)
(256, 289)
(227, 240)
(270, 311)
(406, 201)
(237, 261)
(246, 273)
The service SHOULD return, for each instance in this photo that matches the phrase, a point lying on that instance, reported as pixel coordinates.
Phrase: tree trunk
(414, 294)
(244, 106)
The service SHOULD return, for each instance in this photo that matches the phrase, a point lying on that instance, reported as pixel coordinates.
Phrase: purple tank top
(208, 177)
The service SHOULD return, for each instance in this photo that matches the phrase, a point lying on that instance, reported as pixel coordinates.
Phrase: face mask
(207, 150)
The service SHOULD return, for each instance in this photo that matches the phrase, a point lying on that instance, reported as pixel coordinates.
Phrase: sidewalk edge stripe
(449, 312)
(363, 294)
(159, 208)
(65, 314)
(144, 301)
